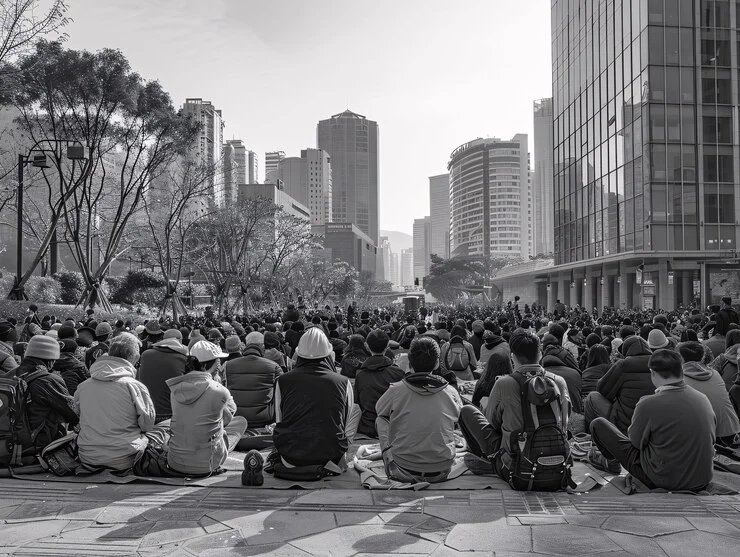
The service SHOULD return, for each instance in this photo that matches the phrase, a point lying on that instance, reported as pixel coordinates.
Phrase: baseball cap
(205, 351)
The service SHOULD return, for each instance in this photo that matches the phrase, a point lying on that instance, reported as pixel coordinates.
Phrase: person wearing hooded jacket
(204, 425)
(458, 336)
(416, 420)
(493, 343)
(316, 417)
(554, 363)
(708, 381)
(727, 362)
(116, 412)
(163, 361)
(476, 339)
(551, 346)
(618, 392)
(69, 367)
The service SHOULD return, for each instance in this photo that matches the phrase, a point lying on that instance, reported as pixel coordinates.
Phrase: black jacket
(572, 377)
(372, 381)
(351, 363)
(72, 371)
(551, 347)
(251, 381)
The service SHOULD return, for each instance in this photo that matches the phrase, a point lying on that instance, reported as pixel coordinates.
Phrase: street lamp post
(39, 160)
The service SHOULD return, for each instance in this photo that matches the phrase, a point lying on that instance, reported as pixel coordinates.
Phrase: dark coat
(351, 362)
(165, 360)
(476, 341)
(72, 371)
(372, 381)
(591, 377)
(572, 377)
(251, 381)
(551, 347)
(627, 381)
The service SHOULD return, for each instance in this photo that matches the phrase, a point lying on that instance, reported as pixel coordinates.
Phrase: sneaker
(253, 464)
(598, 460)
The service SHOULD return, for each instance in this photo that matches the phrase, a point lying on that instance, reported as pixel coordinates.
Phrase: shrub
(72, 286)
(140, 287)
(43, 289)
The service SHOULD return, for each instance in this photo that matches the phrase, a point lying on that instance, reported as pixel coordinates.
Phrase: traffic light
(416, 281)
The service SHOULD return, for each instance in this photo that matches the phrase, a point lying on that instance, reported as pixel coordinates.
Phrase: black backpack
(460, 356)
(540, 459)
(17, 438)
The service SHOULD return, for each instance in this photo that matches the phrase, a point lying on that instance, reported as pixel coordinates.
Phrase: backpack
(541, 459)
(460, 356)
(17, 439)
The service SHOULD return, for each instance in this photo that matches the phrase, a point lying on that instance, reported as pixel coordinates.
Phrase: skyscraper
(272, 158)
(645, 152)
(491, 198)
(439, 215)
(208, 145)
(422, 233)
(308, 179)
(395, 269)
(407, 267)
(352, 143)
(383, 262)
(238, 168)
(542, 224)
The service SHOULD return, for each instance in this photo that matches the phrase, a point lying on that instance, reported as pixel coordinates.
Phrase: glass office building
(646, 160)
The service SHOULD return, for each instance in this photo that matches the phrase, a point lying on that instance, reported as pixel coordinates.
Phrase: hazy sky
(433, 73)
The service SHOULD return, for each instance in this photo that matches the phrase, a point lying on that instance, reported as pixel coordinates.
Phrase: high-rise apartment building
(272, 159)
(239, 168)
(395, 269)
(253, 168)
(308, 179)
(542, 223)
(208, 145)
(646, 152)
(407, 267)
(439, 215)
(491, 198)
(352, 143)
(422, 242)
(383, 268)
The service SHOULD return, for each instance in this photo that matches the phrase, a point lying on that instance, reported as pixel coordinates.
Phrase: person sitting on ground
(618, 391)
(493, 343)
(552, 362)
(476, 339)
(572, 343)
(416, 420)
(670, 441)
(314, 408)
(596, 367)
(233, 346)
(491, 433)
(69, 367)
(457, 357)
(251, 381)
(116, 412)
(556, 348)
(717, 342)
(166, 359)
(8, 336)
(204, 425)
(708, 381)
(103, 334)
(499, 364)
(373, 378)
(726, 363)
(274, 350)
(354, 356)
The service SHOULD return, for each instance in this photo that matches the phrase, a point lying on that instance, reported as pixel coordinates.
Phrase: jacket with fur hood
(163, 361)
(422, 410)
(627, 381)
(115, 411)
(709, 382)
(201, 408)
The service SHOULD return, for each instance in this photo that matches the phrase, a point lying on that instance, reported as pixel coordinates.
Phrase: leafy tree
(449, 278)
(72, 285)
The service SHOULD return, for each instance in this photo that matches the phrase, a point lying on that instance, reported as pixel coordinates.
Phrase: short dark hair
(691, 351)
(557, 331)
(525, 346)
(667, 364)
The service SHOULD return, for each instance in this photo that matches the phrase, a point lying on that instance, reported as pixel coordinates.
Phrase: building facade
(308, 179)
(352, 143)
(439, 215)
(278, 196)
(491, 198)
(345, 242)
(383, 267)
(395, 268)
(407, 267)
(209, 143)
(272, 159)
(646, 152)
(542, 199)
(422, 242)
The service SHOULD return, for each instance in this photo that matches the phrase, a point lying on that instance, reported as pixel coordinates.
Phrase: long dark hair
(498, 365)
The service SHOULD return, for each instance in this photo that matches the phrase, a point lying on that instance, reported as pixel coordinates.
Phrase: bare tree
(22, 22)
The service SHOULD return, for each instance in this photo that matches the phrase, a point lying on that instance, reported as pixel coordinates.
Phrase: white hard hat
(314, 345)
(205, 351)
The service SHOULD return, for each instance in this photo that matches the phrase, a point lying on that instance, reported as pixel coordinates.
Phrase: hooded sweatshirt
(115, 411)
(708, 381)
(422, 410)
(201, 408)
(495, 344)
(726, 365)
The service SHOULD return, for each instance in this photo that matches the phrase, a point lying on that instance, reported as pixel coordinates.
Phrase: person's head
(597, 354)
(557, 331)
(498, 364)
(732, 338)
(233, 344)
(692, 351)
(525, 348)
(657, 340)
(44, 348)
(103, 331)
(125, 346)
(356, 343)
(424, 355)
(314, 345)
(726, 302)
(256, 340)
(8, 332)
(689, 335)
(206, 355)
(666, 367)
(377, 342)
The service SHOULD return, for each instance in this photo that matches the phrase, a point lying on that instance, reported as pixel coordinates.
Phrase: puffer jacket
(373, 378)
(115, 411)
(726, 365)
(200, 409)
(572, 377)
(251, 381)
(72, 371)
(627, 381)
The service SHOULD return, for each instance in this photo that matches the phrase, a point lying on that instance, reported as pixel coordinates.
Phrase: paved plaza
(58, 518)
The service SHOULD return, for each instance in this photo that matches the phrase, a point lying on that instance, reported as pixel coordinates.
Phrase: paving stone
(104, 532)
(272, 550)
(588, 520)
(81, 511)
(636, 544)
(570, 540)
(121, 514)
(213, 526)
(165, 532)
(494, 536)
(69, 546)
(691, 544)
(397, 499)
(222, 541)
(350, 518)
(349, 540)
(433, 529)
(335, 497)
(715, 526)
(444, 551)
(16, 534)
(33, 511)
(540, 520)
(403, 518)
(464, 513)
(78, 525)
(647, 526)
(269, 527)
(173, 514)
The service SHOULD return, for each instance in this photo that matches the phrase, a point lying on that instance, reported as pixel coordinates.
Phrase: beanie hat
(56, 326)
(314, 345)
(215, 334)
(254, 338)
(233, 344)
(478, 326)
(67, 345)
(6, 329)
(65, 331)
(656, 339)
(43, 348)
(272, 340)
(139, 329)
(152, 328)
(103, 329)
(173, 333)
(378, 341)
(52, 333)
